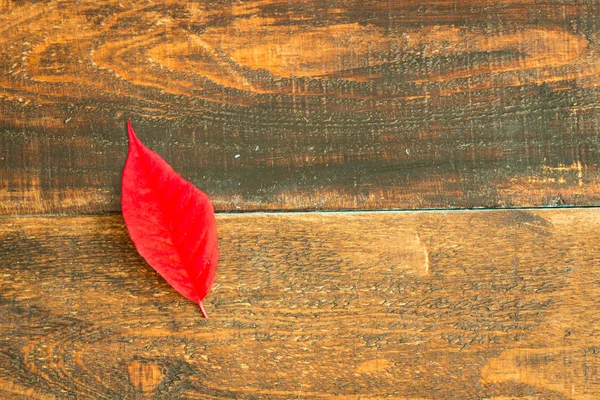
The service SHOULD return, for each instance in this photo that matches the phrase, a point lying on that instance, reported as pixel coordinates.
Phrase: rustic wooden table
(377, 120)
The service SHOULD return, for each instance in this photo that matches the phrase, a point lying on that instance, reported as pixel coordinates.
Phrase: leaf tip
(131, 133)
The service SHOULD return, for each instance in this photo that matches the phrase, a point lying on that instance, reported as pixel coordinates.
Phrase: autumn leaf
(170, 221)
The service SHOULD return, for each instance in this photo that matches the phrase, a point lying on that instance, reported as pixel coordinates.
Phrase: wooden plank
(458, 305)
(303, 105)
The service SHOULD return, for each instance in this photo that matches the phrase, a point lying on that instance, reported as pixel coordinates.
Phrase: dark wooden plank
(303, 105)
(460, 305)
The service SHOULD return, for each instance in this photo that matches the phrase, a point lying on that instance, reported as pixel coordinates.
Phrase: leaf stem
(202, 309)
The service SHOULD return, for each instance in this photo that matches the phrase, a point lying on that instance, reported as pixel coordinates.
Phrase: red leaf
(170, 221)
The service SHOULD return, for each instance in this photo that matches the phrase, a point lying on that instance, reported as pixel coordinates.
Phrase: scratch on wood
(425, 253)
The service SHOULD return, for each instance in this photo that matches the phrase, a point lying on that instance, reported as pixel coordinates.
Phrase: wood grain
(457, 305)
(303, 105)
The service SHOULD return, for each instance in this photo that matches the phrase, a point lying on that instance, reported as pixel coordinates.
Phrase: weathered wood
(459, 305)
(303, 105)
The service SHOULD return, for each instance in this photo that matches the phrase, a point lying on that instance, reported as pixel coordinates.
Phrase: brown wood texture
(430, 305)
(305, 104)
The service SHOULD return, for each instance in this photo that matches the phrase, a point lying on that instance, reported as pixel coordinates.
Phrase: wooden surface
(431, 305)
(305, 104)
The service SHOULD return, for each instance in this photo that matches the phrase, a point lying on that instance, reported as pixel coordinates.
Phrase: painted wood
(311, 105)
(444, 305)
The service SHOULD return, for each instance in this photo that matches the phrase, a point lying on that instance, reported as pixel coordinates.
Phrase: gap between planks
(327, 212)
